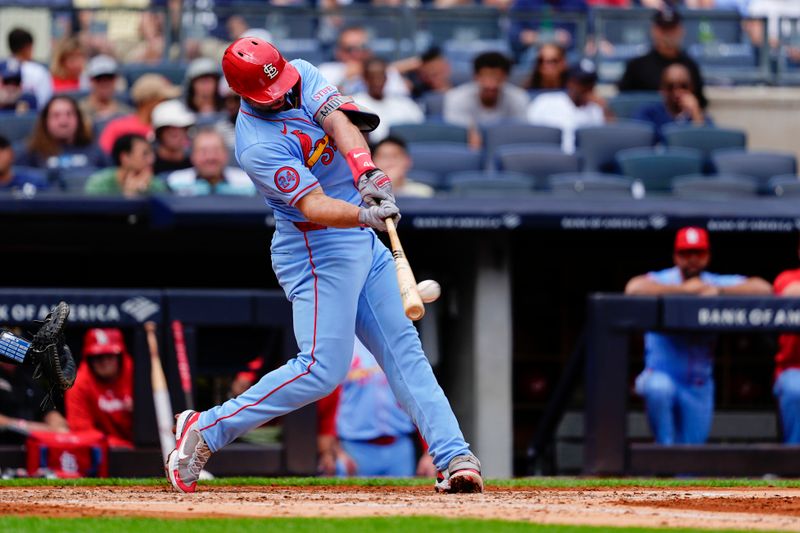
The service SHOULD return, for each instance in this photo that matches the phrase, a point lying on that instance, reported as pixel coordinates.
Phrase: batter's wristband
(360, 161)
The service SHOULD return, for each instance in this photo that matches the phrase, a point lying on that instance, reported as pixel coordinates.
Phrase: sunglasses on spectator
(676, 86)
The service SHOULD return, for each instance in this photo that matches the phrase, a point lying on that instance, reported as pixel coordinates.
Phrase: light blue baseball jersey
(288, 155)
(686, 357)
(367, 407)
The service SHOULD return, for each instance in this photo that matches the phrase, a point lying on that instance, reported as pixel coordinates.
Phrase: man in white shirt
(574, 108)
(392, 109)
(489, 98)
(346, 72)
(36, 78)
(210, 173)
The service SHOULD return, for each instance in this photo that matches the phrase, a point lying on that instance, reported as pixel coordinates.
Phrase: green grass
(534, 482)
(300, 525)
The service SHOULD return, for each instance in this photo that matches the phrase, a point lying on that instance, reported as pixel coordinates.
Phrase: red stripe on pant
(313, 347)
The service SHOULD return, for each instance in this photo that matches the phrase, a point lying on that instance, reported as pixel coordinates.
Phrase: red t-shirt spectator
(788, 355)
(103, 405)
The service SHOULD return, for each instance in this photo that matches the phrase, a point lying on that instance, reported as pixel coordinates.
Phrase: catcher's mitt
(54, 367)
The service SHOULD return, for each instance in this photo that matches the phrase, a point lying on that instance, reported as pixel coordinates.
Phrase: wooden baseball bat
(412, 302)
(184, 370)
(160, 393)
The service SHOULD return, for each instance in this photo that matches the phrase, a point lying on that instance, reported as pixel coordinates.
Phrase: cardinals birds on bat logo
(271, 71)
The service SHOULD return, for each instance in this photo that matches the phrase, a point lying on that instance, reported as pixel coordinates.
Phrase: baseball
(429, 290)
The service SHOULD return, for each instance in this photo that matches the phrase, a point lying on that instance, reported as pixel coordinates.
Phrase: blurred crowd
(110, 116)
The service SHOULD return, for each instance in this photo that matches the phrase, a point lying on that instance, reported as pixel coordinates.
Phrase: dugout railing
(612, 318)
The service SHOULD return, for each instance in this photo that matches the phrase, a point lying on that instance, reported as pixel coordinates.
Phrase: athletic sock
(13, 347)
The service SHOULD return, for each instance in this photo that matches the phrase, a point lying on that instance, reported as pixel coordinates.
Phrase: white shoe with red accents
(463, 475)
(190, 455)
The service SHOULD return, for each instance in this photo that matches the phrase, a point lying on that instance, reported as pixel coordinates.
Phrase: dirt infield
(738, 508)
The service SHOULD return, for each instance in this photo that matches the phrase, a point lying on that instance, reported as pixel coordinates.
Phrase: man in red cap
(677, 382)
(302, 144)
(102, 398)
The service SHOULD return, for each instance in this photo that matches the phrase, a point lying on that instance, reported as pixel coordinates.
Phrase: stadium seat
(518, 133)
(444, 158)
(434, 179)
(492, 174)
(430, 132)
(465, 51)
(174, 72)
(705, 139)
(760, 165)
(74, 179)
(590, 185)
(487, 185)
(17, 127)
(433, 105)
(35, 172)
(656, 168)
(536, 160)
(627, 105)
(599, 144)
(716, 187)
(308, 49)
(786, 186)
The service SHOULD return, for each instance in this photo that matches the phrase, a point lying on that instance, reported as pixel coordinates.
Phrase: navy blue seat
(714, 187)
(704, 138)
(17, 127)
(174, 72)
(656, 168)
(627, 105)
(518, 133)
(433, 104)
(443, 158)
(479, 184)
(590, 185)
(434, 179)
(785, 186)
(430, 132)
(599, 144)
(536, 160)
(74, 179)
(760, 165)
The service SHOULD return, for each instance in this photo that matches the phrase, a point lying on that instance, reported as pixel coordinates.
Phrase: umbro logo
(271, 71)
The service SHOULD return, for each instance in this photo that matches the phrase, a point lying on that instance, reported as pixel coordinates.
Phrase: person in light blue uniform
(363, 429)
(677, 383)
(301, 143)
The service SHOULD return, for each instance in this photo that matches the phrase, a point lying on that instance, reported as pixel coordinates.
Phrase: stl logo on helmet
(271, 71)
(287, 179)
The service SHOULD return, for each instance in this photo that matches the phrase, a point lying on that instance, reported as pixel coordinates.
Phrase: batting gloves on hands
(374, 216)
(375, 187)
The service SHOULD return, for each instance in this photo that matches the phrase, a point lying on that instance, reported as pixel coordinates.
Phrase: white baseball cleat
(463, 475)
(185, 463)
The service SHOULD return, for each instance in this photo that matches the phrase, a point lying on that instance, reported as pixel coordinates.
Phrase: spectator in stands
(773, 10)
(392, 109)
(36, 78)
(101, 104)
(787, 364)
(488, 99)
(21, 406)
(12, 98)
(677, 382)
(644, 73)
(132, 173)
(61, 139)
(680, 105)
(150, 46)
(226, 125)
(171, 121)
(391, 155)
(352, 49)
(11, 178)
(102, 397)
(210, 173)
(550, 70)
(434, 74)
(526, 32)
(202, 81)
(577, 107)
(69, 60)
(362, 429)
(147, 92)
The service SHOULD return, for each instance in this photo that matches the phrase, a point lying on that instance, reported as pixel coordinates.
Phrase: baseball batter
(301, 143)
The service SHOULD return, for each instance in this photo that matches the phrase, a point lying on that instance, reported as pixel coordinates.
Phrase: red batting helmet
(256, 70)
(102, 341)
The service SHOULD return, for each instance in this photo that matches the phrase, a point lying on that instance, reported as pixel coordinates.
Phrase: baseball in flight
(429, 290)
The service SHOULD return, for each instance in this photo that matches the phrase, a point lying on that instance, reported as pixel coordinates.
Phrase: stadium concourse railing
(201, 313)
(716, 38)
(611, 319)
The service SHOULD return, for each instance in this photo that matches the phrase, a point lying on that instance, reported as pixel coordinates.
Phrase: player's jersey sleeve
(723, 280)
(319, 96)
(277, 173)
